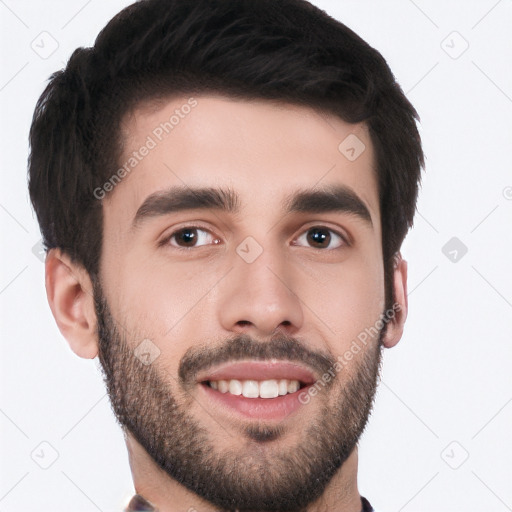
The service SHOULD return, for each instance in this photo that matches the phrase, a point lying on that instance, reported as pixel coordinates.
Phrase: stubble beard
(144, 402)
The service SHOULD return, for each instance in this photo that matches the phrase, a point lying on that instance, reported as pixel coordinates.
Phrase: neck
(165, 493)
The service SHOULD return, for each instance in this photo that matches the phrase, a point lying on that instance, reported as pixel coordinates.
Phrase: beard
(144, 401)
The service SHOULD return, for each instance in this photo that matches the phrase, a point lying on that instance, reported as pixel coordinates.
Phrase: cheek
(345, 299)
(160, 297)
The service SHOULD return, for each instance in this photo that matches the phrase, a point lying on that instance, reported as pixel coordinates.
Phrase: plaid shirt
(139, 504)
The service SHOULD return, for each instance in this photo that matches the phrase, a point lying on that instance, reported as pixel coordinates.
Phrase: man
(223, 187)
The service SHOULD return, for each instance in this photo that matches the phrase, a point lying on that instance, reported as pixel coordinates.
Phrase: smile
(257, 389)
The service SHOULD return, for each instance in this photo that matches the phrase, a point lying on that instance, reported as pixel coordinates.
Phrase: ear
(395, 327)
(70, 296)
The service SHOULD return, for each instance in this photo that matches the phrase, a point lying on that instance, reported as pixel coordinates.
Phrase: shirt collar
(140, 504)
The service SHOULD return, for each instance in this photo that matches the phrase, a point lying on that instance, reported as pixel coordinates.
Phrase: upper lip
(259, 370)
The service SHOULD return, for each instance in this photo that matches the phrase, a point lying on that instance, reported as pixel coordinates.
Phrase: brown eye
(320, 237)
(190, 237)
(186, 236)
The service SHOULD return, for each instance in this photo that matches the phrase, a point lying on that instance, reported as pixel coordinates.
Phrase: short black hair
(285, 50)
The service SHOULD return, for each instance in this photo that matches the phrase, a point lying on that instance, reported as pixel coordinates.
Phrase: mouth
(257, 389)
(249, 388)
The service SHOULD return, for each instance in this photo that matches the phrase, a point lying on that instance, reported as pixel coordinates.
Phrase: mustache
(242, 347)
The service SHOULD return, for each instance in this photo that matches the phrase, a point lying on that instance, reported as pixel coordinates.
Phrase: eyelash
(167, 239)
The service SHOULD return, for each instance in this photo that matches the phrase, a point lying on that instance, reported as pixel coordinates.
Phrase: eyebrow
(329, 199)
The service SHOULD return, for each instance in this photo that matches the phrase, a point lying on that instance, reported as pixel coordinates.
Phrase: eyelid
(167, 238)
(346, 239)
(343, 233)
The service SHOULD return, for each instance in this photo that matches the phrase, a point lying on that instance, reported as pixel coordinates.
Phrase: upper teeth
(256, 389)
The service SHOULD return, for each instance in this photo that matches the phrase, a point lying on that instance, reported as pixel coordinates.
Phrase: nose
(258, 298)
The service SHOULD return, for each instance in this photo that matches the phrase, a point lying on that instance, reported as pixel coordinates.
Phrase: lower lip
(276, 408)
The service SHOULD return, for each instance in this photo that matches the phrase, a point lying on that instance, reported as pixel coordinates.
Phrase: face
(239, 297)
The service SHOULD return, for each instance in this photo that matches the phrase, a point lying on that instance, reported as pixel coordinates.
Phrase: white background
(446, 390)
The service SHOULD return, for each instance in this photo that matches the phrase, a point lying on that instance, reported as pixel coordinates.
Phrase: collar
(140, 504)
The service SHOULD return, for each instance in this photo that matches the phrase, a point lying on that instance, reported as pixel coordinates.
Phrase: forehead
(261, 149)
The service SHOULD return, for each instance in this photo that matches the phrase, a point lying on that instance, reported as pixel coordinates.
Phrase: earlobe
(396, 324)
(70, 296)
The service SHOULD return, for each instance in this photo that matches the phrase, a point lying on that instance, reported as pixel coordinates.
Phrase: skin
(201, 297)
